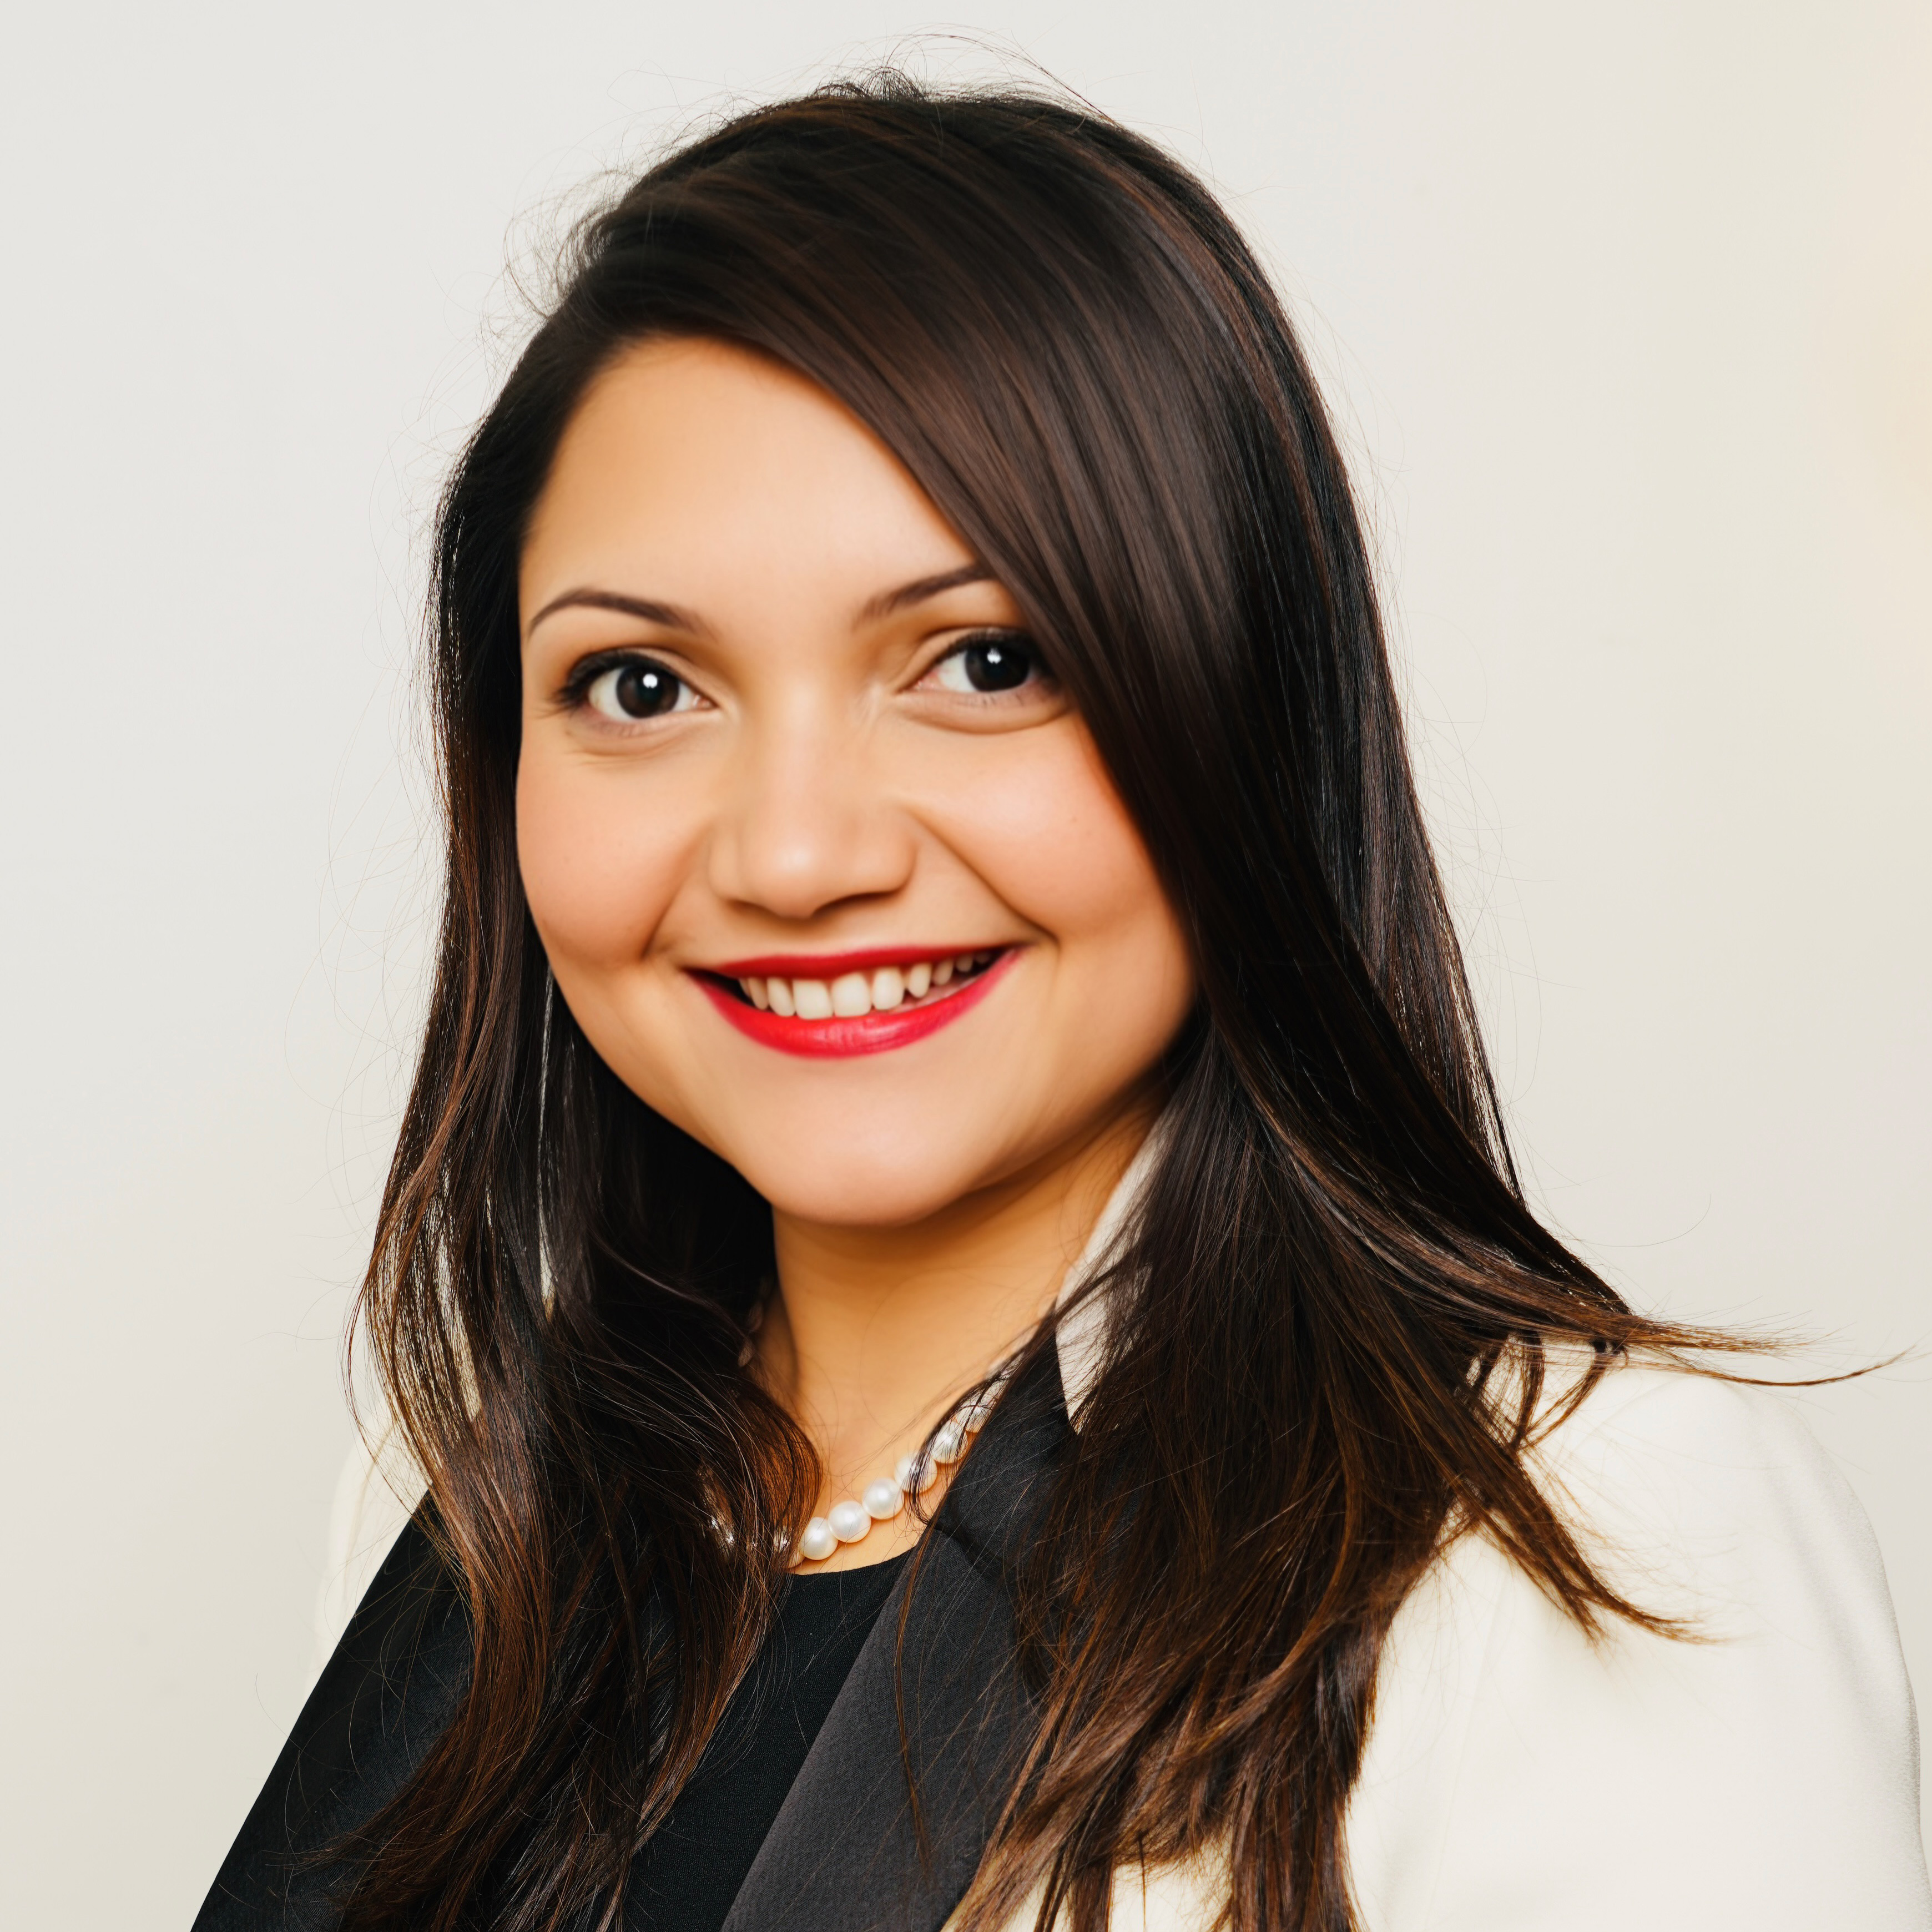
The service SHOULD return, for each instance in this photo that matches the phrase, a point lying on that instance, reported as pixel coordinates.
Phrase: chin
(872, 1160)
(852, 1190)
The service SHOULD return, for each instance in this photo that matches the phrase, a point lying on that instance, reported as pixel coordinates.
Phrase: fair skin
(777, 719)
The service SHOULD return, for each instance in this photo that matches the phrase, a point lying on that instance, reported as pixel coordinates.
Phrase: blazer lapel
(850, 1851)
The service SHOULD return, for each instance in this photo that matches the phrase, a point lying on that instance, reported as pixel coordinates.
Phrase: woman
(952, 1270)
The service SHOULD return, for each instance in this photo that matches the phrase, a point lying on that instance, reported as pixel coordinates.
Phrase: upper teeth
(852, 994)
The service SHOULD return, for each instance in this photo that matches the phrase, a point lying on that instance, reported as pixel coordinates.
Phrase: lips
(833, 1006)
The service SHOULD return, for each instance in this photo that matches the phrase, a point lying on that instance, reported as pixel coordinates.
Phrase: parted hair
(1064, 338)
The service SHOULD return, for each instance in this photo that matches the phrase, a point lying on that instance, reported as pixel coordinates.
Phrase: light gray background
(1627, 312)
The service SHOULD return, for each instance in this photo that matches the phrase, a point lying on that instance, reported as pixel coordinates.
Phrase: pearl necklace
(851, 1520)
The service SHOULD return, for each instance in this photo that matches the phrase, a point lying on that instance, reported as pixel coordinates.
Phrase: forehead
(710, 471)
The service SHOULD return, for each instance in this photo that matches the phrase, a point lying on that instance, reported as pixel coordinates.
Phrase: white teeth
(853, 995)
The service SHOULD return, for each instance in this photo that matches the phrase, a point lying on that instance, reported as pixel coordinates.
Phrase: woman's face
(827, 868)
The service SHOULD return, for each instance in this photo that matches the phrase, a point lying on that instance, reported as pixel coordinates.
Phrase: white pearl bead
(849, 1521)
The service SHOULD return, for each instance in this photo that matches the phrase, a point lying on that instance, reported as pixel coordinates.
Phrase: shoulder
(1764, 1771)
(1711, 1501)
(384, 1697)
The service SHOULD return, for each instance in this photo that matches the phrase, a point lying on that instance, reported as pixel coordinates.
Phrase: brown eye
(639, 689)
(994, 662)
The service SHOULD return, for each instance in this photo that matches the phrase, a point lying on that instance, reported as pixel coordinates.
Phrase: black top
(687, 1875)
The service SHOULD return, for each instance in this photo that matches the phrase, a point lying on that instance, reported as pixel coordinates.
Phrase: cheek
(599, 869)
(1053, 839)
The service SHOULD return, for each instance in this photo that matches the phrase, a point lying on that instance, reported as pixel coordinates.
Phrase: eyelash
(993, 634)
(586, 672)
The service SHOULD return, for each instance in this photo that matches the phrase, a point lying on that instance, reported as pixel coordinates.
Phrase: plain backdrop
(1626, 314)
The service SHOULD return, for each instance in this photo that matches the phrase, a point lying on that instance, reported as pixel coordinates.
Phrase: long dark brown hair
(1063, 337)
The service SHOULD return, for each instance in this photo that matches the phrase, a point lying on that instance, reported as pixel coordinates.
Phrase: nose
(809, 821)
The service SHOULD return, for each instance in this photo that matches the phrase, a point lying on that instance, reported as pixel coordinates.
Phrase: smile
(835, 1006)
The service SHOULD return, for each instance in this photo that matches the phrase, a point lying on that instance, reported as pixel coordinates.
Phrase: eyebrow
(673, 616)
(921, 588)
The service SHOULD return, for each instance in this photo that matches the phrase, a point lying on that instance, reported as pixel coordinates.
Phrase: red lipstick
(840, 1038)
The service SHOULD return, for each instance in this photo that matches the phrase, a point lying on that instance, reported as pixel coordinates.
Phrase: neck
(876, 1331)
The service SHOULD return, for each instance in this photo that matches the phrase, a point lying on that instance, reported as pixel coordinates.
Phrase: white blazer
(1519, 1779)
